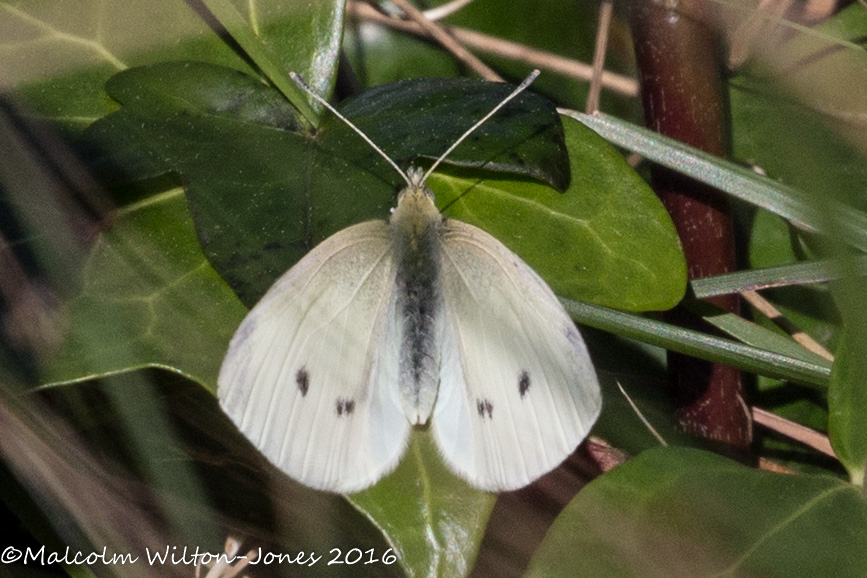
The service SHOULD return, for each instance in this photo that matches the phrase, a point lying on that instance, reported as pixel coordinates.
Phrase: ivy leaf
(683, 512)
(263, 192)
(148, 297)
(58, 56)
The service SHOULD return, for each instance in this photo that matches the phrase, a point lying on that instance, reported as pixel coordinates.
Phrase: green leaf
(421, 118)
(58, 55)
(607, 239)
(774, 242)
(148, 298)
(275, 50)
(684, 512)
(777, 246)
(797, 121)
(433, 519)
(262, 194)
(812, 156)
(847, 400)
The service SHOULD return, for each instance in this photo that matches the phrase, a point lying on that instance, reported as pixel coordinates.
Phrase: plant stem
(682, 92)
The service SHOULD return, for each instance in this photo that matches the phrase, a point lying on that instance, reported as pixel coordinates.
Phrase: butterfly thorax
(416, 226)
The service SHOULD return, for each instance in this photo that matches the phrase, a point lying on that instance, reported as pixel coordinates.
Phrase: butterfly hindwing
(311, 374)
(517, 389)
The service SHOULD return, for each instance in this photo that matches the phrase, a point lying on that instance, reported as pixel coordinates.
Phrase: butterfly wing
(311, 374)
(517, 389)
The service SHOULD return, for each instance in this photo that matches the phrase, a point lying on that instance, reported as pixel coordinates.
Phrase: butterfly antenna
(303, 85)
(527, 82)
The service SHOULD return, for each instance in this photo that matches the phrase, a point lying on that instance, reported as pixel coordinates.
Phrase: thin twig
(764, 307)
(439, 34)
(599, 56)
(795, 431)
(643, 419)
(546, 61)
(444, 10)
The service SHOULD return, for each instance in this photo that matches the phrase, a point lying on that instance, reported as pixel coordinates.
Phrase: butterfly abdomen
(419, 301)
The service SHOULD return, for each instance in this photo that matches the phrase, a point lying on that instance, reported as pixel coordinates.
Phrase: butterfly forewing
(311, 375)
(517, 390)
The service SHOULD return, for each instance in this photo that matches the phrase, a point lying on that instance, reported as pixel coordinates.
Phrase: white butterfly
(389, 325)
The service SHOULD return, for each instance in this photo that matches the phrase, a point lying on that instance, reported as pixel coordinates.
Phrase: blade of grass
(754, 335)
(699, 344)
(764, 307)
(779, 276)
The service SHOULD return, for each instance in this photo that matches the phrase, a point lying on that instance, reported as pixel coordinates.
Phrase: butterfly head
(415, 179)
(415, 203)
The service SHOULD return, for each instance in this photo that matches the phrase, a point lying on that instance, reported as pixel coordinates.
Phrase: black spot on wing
(574, 337)
(485, 408)
(302, 378)
(345, 406)
(523, 383)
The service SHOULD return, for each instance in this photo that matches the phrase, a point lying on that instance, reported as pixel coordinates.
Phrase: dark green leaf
(262, 193)
(421, 118)
(683, 512)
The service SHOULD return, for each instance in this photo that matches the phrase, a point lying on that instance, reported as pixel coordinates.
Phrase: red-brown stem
(683, 96)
